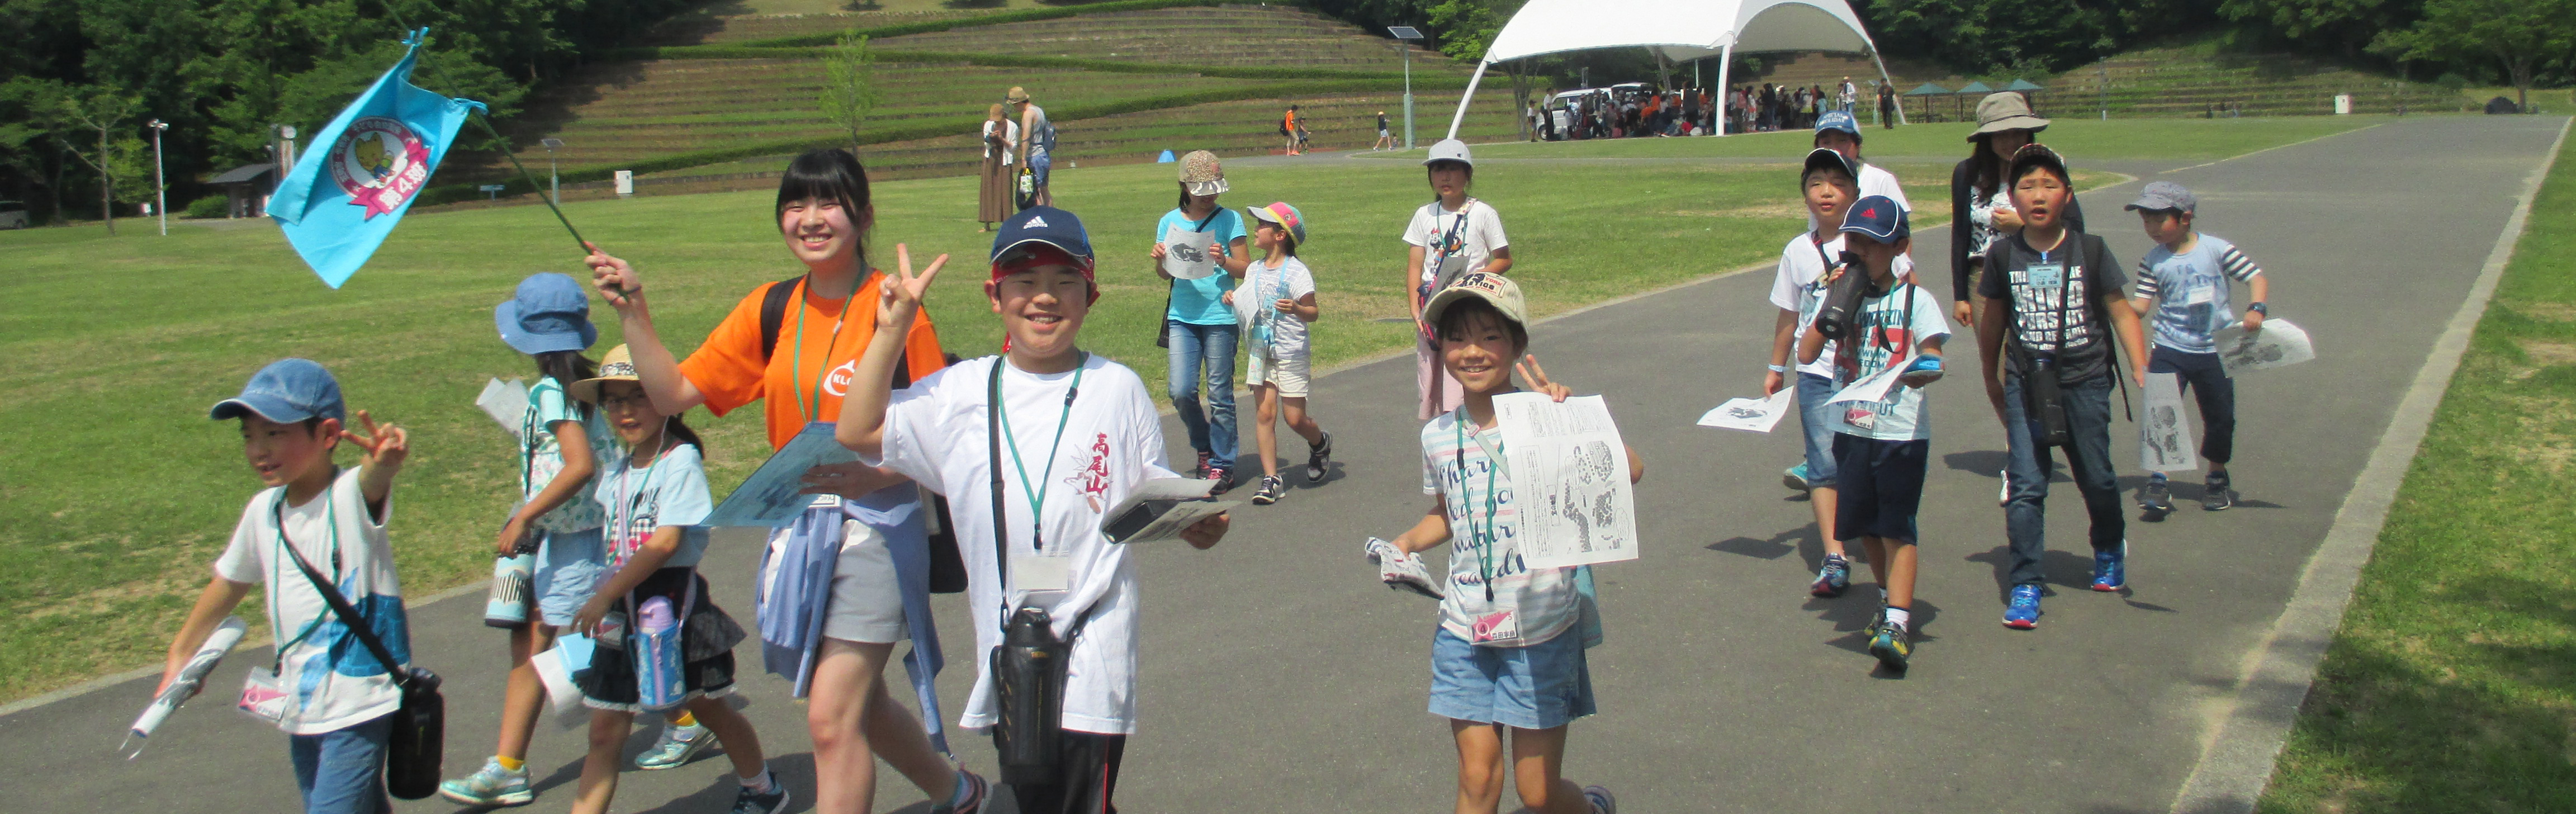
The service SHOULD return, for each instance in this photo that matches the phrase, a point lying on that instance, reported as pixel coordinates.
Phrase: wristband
(1780, 368)
(1925, 364)
(2259, 309)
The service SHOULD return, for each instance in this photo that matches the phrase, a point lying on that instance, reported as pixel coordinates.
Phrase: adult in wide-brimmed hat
(1978, 194)
(1036, 148)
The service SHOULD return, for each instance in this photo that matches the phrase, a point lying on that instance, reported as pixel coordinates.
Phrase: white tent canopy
(1678, 29)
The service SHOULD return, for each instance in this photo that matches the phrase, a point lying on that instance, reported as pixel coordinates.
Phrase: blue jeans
(2088, 423)
(342, 771)
(1817, 419)
(1204, 351)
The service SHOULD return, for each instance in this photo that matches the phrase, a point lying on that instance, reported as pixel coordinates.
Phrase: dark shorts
(1880, 485)
(707, 637)
(1089, 763)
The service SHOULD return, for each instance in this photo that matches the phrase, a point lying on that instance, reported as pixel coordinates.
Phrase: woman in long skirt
(993, 194)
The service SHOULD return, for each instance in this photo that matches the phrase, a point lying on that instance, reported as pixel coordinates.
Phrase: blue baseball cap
(550, 313)
(286, 391)
(1838, 120)
(1879, 218)
(1042, 226)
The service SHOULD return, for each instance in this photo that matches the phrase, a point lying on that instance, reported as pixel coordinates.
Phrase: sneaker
(1876, 620)
(1202, 471)
(1600, 800)
(2217, 496)
(677, 746)
(2022, 613)
(2156, 496)
(1892, 644)
(1316, 457)
(2111, 568)
(1795, 478)
(1223, 475)
(493, 786)
(1833, 579)
(1272, 487)
(773, 801)
(1399, 570)
(977, 788)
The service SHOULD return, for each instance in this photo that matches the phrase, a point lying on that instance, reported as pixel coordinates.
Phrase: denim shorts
(568, 571)
(1539, 686)
(1817, 418)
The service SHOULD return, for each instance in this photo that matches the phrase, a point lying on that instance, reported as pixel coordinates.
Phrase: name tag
(1501, 628)
(1041, 573)
(2046, 275)
(2202, 294)
(825, 502)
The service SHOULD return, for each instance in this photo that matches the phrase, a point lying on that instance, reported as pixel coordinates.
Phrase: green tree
(2518, 36)
(1467, 28)
(2344, 27)
(94, 125)
(850, 91)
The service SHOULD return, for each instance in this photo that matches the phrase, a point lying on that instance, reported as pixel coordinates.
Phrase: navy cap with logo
(1829, 158)
(1042, 226)
(1879, 218)
(286, 391)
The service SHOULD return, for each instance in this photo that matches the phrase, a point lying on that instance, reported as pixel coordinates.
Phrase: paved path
(1277, 676)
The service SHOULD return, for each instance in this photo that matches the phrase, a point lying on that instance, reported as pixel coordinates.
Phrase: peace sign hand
(1536, 376)
(385, 445)
(900, 296)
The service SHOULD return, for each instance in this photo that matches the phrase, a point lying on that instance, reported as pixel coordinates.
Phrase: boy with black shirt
(2054, 303)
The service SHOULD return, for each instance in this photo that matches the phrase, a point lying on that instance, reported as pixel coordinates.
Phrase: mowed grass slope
(2451, 686)
(2080, 140)
(119, 492)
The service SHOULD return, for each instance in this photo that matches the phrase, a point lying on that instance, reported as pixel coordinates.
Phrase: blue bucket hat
(550, 313)
(286, 391)
(1878, 218)
(1840, 121)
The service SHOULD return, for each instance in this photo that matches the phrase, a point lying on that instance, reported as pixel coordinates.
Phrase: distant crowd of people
(1631, 112)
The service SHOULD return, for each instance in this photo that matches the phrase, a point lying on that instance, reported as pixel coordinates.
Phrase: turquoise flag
(345, 195)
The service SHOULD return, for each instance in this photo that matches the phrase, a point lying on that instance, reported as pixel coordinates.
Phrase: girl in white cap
(1449, 238)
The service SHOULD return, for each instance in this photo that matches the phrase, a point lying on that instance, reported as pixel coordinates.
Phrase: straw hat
(1017, 94)
(617, 366)
(2003, 111)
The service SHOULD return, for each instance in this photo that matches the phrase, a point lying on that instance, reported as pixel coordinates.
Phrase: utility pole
(554, 180)
(160, 186)
(1405, 36)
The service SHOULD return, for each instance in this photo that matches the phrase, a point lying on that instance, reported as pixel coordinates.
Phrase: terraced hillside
(2188, 80)
(1241, 35)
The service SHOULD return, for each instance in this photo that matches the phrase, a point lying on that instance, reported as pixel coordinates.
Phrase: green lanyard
(796, 364)
(331, 519)
(1485, 541)
(1037, 522)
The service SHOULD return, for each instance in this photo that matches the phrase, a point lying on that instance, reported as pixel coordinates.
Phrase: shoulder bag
(420, 724)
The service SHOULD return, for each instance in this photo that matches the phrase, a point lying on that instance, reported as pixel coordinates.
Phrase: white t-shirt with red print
(936, 433)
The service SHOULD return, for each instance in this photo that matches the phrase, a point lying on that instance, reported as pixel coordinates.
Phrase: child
(1278, 301)
(339, 698)
(2184, 279)
(1828, 186)
(548, 319)
(1450, 238)
(1882, 449)
(651, 498)
(2053, 300)
(1199, 326)
(1062, 411)
(1508, 651)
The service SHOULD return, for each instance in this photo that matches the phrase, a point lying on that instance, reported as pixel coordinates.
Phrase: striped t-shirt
(2191, 291)
(1524, 607)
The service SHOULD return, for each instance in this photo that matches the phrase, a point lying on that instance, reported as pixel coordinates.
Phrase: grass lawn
(2451, 686)
(119, 492)
(2080, 139)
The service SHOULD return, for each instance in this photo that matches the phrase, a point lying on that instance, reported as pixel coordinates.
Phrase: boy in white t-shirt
(337, 699)
(1458, 235)
(1277, 300)
(1882, 445)
(1827, 186)
(1075, 434)
(1509, 649)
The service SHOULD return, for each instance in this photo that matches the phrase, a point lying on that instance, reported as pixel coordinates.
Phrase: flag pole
(421, 36)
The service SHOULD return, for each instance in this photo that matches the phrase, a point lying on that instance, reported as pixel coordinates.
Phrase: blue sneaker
(1893, 646)
(2022, 613)
(677, 746)
(1599, 800)
(491, 787)
(1832, 579)
(1796, 478)
(2111, 568)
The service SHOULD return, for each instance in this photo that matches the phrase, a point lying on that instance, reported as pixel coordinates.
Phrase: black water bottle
(1028, 673)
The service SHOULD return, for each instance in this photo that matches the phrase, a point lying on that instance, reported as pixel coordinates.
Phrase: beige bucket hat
(2003, 111)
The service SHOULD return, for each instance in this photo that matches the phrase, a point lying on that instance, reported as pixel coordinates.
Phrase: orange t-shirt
(729, 371)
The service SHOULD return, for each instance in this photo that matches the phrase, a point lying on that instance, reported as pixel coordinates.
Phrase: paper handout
(184, 686)
(1159, 509)
(1751, 415)
(1189, 255)
(772, 495)
(2278, 344)
(2164, 438)
(507, 403)
(1874, 388)
(1569, 474)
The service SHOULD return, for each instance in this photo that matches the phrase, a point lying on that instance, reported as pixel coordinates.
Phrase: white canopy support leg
(1725, 59)
(1463, 101)
(1888, 83)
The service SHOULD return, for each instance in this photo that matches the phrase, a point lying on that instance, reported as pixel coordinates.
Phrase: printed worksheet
(2164, 437)
(506, 402)
(1569, 474)
(771, 496)
(1189, 255)
(2279, 343)
(1751, 415)
(1874, 388)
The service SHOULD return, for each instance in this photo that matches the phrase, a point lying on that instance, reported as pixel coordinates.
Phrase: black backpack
(947, 565)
